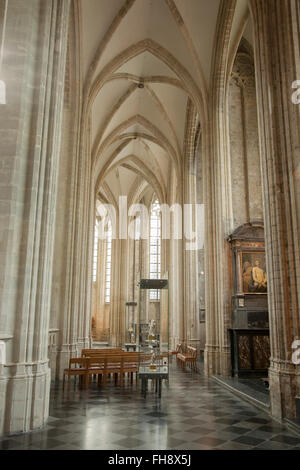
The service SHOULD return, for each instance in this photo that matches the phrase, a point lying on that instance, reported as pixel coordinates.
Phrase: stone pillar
(176, 280)
(99, 311)
(200, 252)
(64, 309)
(30, 131)
(118, 293)
(277, 66)
(218, 205)
(190, 226)
(74, 230)
(143, 295)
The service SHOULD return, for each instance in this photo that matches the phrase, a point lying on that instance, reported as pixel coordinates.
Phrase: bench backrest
(131, 358)
(95, 362)
(93, 352)
(77, 362)
(192, 351)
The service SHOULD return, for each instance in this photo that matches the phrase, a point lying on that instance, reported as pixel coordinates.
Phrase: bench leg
(87, 377)
(99, 380)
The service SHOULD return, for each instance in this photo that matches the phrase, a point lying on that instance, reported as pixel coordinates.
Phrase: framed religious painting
(253, 272)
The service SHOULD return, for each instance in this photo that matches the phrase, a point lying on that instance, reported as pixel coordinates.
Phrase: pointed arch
(198, 96)
(116, 135)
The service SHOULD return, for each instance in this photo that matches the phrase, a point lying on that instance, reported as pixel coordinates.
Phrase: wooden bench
(189, 357)
(77, 368)
(176, 352)
(115, 364)
(102, 364)
(96, 352)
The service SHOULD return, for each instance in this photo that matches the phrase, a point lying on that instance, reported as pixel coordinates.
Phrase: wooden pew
(95, 352)
(176, 352)
(95, 366)
(100, 353)
(104, 365)
(77, 368)
(189, 357)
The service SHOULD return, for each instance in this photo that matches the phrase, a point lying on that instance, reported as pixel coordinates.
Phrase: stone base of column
(284, 386)
(116, 341)
(217, 361)
(174, 341)
(113, 341)
(61, 357)
(84, 343)
(211, 360)
(24, 397)
(225, 362)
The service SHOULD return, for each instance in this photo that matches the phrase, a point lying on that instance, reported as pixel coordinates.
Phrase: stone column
(99, 310)
(144, 261)
(200, 252)
(176, 271)
(218, 205)
(277, 66)
(118, 292)
(190, 226)
(66, 288)
(30, 127)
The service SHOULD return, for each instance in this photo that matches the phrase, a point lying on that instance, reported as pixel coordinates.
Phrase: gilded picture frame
(253, 272)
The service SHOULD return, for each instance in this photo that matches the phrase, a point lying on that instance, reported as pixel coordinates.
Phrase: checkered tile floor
(193, 413)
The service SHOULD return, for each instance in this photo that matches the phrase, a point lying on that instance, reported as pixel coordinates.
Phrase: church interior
(150, 224)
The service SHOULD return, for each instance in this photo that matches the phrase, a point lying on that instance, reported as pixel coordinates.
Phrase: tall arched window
(155, 246)
(108, 262)
(95, 255)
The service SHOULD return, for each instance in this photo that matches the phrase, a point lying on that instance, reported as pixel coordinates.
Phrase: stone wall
(30, 123)
(244, 145)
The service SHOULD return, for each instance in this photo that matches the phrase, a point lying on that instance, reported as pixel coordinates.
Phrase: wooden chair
(177, 351)
(79, 369)
(190, 357)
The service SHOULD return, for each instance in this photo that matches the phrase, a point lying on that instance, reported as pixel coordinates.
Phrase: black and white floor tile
(194, 413)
